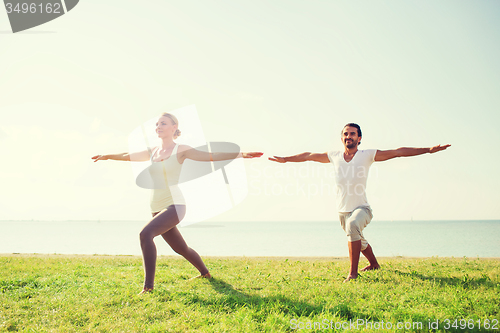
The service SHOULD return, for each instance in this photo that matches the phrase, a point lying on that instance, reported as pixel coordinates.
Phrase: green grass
(99, 294)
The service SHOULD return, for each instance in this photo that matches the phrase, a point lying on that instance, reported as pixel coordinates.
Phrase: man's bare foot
(370, 268)
(350, 277)
(206, 276)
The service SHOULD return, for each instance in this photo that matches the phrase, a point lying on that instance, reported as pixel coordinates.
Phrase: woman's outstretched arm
(139, 156)
(198, 155)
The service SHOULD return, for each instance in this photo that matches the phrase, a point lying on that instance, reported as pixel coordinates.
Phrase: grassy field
(55, 293)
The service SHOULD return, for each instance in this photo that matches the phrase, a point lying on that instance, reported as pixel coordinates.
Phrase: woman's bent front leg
(174, 238)
(161, 223)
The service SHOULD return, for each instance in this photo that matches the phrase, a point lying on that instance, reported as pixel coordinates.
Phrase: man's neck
(350, 151)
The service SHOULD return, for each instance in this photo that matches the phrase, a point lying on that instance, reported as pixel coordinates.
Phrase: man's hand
(437, 148)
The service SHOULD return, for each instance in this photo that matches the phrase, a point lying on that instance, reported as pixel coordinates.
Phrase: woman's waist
(166, 191)
(162, 197)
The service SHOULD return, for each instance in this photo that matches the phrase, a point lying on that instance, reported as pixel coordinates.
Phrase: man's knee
(352, 228)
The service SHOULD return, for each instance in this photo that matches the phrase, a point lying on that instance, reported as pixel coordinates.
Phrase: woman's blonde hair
(174, 121)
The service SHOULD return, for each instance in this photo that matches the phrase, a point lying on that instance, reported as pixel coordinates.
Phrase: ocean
(286, 239)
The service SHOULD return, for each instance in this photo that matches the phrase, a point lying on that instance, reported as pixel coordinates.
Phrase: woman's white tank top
(166, 177)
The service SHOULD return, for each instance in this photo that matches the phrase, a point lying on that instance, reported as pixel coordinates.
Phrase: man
(351, 172)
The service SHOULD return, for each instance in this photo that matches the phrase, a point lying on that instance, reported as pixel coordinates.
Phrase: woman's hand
(100, 158)
(251, 154)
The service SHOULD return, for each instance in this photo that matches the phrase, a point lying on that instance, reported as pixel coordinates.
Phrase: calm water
(422, 238)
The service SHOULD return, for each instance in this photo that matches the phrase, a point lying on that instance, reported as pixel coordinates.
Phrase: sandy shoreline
(104, 256)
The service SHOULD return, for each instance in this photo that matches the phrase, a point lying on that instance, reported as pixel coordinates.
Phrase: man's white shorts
(354, 222)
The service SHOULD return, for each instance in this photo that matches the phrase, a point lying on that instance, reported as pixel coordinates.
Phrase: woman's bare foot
(146, 290)
(206, 276)
(350, 277)
(370, 268)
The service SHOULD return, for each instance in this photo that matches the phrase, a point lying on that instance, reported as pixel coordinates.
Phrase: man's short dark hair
(353, 125)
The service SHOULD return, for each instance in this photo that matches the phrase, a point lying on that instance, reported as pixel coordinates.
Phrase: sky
(281, 77)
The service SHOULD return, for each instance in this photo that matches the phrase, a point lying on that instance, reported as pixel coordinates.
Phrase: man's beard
(351, 144)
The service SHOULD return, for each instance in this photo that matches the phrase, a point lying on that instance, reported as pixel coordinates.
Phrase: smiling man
(351, 172)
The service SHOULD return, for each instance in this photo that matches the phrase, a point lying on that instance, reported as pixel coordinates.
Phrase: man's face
(350, 137)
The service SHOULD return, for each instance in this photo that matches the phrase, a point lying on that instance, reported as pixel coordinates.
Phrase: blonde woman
(167, 204)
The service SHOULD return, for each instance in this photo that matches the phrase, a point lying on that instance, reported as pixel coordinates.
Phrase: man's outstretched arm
(384, 155)
(316, 157)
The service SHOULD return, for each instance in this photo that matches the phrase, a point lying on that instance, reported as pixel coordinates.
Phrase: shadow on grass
(464, 281)
(238, 299)
(233, 300)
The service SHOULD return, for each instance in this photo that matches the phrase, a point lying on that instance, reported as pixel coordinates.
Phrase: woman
(167, 204)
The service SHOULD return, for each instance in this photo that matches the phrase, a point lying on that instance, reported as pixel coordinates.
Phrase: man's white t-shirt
(351, 178)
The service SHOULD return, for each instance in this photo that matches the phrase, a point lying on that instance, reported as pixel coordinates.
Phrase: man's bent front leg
(368, 253)
(354, 251)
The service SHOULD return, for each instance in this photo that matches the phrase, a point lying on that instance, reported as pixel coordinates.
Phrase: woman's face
(165, 127)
